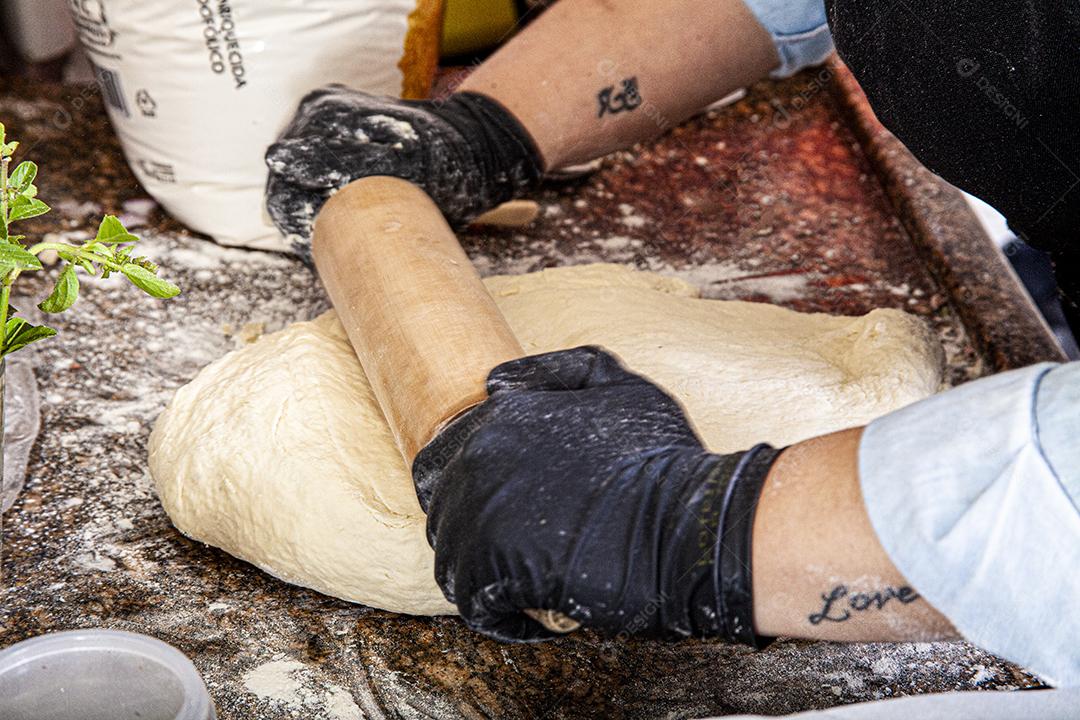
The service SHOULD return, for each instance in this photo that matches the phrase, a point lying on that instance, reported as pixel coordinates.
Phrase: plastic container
(100, 675)
(20, 411)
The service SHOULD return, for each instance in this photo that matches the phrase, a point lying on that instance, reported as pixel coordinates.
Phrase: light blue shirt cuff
(1042, 704)
(974, 494)
(799, 32)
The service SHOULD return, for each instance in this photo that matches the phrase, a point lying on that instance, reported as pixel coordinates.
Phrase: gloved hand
(467, 152)
(580, 487)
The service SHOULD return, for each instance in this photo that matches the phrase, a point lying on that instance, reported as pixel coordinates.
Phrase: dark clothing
(987, 95)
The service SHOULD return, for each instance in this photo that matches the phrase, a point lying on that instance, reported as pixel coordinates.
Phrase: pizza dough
(279, 454)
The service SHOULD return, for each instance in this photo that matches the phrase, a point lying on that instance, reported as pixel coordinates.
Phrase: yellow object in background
(470, 26)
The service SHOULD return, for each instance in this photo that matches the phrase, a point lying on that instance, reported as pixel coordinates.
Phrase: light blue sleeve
(975, 496)
(967, 705)
(799, 32)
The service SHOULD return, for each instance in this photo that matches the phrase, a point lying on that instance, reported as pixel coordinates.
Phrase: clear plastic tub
(22, 420)
(100, 675)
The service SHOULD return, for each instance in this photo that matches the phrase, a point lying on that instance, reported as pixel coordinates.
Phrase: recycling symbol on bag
(147, 104)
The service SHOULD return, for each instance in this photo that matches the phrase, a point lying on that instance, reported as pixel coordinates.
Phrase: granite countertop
(778, 198)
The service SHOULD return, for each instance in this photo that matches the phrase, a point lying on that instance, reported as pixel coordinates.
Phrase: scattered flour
(886, 666)
(777, 288)
(402, 129)
(136, 212)
(630, 218)
(982, 674)
(93, 561)
(205, 256)
(276, 680)
(851, 683)
(719, 280)
(72, 209)
(291, 683)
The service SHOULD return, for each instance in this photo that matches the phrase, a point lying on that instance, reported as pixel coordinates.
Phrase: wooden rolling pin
(423, 325)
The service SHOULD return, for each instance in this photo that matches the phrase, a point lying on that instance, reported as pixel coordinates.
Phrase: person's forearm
(819, 570)
(593, 76)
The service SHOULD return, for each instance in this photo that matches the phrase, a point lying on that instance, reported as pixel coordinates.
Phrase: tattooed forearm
(626, 100)
(839, 604)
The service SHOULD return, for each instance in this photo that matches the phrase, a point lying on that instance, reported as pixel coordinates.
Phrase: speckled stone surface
(771, 199)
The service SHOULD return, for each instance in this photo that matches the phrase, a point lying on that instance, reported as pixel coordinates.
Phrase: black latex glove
(580, 487)
(467, 152)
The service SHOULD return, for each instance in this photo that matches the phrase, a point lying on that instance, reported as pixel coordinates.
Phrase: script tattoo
(613, 103)
(839, 604)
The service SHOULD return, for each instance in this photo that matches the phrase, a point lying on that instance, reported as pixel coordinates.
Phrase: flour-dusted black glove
(467, 152)
(580, 487)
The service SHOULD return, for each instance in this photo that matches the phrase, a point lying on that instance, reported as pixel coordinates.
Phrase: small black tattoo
(833, 608)
(612, 103)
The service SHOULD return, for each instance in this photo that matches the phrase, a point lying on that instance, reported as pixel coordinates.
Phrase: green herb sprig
(110, 251)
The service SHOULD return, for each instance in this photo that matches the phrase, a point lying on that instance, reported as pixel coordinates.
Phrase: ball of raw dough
(278, 452)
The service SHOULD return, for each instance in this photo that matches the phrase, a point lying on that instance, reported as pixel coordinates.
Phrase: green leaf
(18, 333)
(22, 176)
(24, 207)
(149, 283)
(9, 149)
(3, 133)
(112, 231)
(64, 294)
(16, 257)
(98, 248)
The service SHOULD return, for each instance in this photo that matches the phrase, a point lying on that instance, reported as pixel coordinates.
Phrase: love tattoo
(839, 604)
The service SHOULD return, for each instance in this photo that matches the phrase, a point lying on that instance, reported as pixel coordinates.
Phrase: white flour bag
(197, 89)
